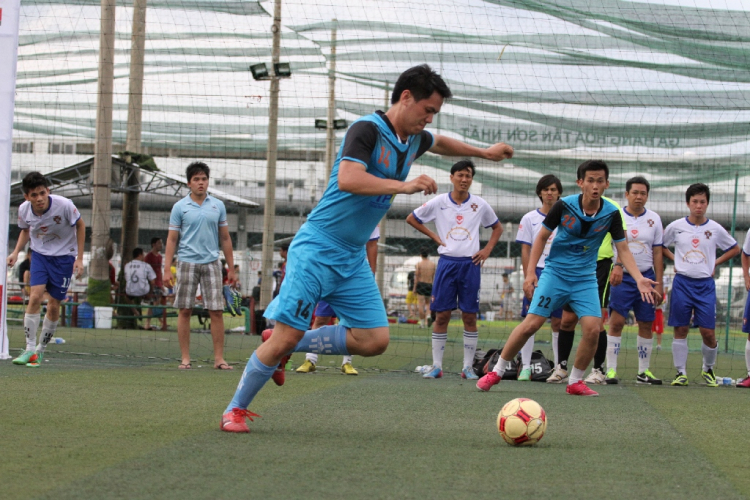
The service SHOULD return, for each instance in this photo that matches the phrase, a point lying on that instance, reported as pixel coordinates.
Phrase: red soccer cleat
(580, 389)
(745, 382)
(234, 421)
(278, 376)
(486, 382)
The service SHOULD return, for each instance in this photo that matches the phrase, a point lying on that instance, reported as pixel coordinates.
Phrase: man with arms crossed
(569, 275)
(695, 239)
(326, 258)
(548, 189)
(57, 233)
(458, 216)
(645, 233)
(199, 223)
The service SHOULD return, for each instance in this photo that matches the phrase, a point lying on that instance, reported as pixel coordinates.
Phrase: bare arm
(225, 240)
(659, 271)
(484, 253)
(729, 254)
(529, 282)
(413, 222)
(371, 248)
(447, 146)
(172, 238)
(354, 178)
(525, 254)
(666, 252)
(81, 240)
(645, 285)
(23, 239)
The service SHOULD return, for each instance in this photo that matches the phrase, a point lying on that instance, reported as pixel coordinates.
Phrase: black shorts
(424, 289)
(603, 270)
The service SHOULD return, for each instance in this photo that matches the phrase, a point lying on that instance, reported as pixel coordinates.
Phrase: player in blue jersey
(326, 259)
(569, 275)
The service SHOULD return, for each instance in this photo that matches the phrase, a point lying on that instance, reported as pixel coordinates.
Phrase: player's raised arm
(23, 239)
(354, 178)
(447, 146)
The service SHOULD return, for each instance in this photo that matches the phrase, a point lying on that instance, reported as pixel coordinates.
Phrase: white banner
(9, 13)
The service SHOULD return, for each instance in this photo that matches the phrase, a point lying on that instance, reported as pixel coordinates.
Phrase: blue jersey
(351, 218)
(576, 245)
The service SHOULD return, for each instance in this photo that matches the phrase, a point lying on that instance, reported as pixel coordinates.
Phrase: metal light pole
(380, 273)
(330, 131)
(269, 219)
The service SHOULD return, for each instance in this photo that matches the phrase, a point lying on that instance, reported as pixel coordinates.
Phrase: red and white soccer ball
(522, 422)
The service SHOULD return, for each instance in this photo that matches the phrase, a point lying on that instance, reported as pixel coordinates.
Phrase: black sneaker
(647, 378)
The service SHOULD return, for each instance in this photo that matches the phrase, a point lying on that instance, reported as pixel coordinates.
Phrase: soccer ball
(522, 422)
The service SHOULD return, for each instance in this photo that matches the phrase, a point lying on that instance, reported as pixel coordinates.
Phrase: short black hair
(284, 246)
(638, 179)
(545, 182)
(695, 189)
(33, 180)
(422, 82)
(464, 165)
(424, 251)
(137, 252)
(195, 168)
(592, 166)
(155, 240)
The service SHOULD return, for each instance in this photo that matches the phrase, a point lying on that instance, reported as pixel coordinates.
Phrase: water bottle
(57, 340)
(727, 381)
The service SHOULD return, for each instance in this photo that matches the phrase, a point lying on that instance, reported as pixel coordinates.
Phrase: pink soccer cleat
(580, 389)
(278, 376)
(234, 421)
(486, 382)
(745, 382)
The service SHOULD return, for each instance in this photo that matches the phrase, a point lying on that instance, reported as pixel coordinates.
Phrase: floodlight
(260, 71)
(282, 70)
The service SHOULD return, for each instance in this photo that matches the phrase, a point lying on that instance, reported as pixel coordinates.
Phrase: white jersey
(457, 225)
(528, 230)
(695, 246)
(375, 233)
(137, 276)
(53, 233)
(644, 232)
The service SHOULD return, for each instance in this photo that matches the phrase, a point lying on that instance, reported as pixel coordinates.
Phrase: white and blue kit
(569, 275)
(53, 243)
(528, 229)
(746, 316)
(693, 288)
(645, 233)
(456, 276)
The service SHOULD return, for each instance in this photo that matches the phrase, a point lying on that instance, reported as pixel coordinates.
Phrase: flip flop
(223, 366)
(185, 366)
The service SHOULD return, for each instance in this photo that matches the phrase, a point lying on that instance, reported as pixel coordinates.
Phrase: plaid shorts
(189, 275)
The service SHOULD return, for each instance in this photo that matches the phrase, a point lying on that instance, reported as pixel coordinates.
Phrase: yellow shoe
(348, 369)
(307, 367)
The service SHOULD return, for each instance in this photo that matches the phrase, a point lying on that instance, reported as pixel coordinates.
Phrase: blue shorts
(456, 285)
(626, 296)
(554, 291)
(746, 317)
(55, 272)
(693, 295)
(324, 310)
(321, 268)
(557, 313)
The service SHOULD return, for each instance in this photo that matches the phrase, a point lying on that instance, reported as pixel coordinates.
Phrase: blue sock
(254, 377)
(329, 339)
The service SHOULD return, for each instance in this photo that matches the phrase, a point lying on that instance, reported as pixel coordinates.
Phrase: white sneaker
(559, 375)
(596, 377)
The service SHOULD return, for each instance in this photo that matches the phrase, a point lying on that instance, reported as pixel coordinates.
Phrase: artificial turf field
(86, 426)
